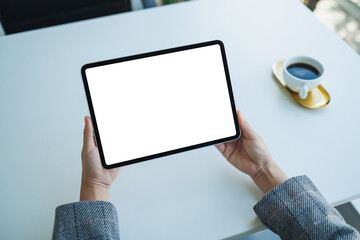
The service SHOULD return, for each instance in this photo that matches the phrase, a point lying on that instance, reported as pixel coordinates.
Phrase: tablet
(160, 103)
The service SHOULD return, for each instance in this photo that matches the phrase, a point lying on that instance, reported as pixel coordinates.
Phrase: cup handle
(303, 91)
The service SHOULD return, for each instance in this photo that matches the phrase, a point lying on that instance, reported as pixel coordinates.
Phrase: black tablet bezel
(150, 54)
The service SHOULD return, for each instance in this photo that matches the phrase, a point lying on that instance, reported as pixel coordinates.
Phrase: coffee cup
(302, 74)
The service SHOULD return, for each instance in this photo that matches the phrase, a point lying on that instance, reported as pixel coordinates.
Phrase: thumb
(246, 130)
(89, 141)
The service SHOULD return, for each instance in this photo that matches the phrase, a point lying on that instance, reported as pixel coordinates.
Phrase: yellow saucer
(317, 98)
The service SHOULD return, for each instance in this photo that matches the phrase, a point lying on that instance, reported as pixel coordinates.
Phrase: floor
(266, 234)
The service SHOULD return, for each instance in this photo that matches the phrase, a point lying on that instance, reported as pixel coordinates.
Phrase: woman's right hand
(250, 155)
(96, 180)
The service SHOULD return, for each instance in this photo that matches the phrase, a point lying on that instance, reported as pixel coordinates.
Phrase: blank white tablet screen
(161, 103)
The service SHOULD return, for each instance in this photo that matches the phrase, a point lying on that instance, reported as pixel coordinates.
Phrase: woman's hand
(250, 155)
(96, 180)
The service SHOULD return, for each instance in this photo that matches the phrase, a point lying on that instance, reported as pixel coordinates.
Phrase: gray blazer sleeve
(296, 210)
(86, 220)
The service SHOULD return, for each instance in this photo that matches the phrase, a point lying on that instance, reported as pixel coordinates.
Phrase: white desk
(193, 195)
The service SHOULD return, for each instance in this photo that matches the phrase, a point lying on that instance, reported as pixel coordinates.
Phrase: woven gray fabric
(86, 220)
(296, 210)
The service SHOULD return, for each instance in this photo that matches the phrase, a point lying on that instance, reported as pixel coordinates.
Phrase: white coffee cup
(305, 77)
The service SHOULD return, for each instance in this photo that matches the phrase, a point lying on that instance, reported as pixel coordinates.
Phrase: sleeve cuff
(296, 209)
(86, 220)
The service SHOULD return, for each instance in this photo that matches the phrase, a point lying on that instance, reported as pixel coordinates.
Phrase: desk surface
(192, 195)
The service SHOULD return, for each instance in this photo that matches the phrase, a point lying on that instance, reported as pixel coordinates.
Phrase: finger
(88, 142)
(227, 148)
(220, 147)
(246, 130)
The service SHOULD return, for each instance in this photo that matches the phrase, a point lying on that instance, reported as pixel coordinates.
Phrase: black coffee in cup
(303, 71)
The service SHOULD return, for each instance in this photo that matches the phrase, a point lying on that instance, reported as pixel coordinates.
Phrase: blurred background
(340, 16)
